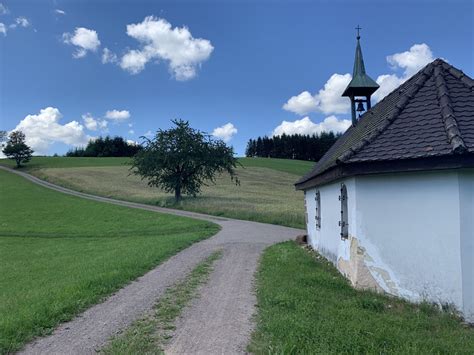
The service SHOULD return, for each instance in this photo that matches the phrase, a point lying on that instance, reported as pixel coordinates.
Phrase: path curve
(217, 322)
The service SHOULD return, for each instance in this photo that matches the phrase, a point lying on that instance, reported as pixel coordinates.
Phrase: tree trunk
(18, 162)
(177, 194)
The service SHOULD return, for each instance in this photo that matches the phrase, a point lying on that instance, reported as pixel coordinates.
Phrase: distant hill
(297, 167)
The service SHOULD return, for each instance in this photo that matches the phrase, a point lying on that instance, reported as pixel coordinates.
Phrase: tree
(183, 159)
(17, 149)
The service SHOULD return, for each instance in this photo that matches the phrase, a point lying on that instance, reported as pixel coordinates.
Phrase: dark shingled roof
(427, 119)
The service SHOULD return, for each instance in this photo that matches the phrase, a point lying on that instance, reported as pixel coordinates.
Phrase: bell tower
(361, 86)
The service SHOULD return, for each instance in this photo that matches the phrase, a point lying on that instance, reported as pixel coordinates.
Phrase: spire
(361, 84)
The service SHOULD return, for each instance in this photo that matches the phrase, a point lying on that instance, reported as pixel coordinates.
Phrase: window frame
(317, 217)
(344, 221)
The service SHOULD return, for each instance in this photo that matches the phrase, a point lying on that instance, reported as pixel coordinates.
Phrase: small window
(318, 210)
(343, 223)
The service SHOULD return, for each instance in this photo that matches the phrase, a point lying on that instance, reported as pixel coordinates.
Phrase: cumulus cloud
(3, 29)
(43, 129)
(412, 60)
(93, 124)
(161, 42)
(225, 132)
(3, 9)
(117, 116)
(306, 126)
(329, 100)
(59, 12)
(108, 56)
(84, 39)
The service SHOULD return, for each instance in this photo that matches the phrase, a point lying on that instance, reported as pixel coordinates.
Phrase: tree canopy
(183, 159)
(17, 149)
(106, 147)
(295, 146)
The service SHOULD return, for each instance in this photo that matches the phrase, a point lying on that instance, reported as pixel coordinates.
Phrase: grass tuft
(149, 334)
(306, 307)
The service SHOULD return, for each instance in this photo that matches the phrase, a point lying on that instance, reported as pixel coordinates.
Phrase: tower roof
(361, 84)
(425, 124)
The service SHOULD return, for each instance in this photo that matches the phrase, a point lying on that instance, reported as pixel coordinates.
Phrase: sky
(74, 70)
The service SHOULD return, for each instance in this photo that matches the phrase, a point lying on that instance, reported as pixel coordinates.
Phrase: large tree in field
(182, 159)
(17, 149)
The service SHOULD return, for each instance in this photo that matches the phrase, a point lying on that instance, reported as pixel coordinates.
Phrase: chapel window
(343, 223)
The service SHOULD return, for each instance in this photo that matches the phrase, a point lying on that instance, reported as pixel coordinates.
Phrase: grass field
(266, 193)
(60, 254)
(306, 306)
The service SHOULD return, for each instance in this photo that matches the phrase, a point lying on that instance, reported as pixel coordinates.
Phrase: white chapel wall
(404, 234)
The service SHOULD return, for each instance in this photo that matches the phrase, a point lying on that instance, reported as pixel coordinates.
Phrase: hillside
(265, 194)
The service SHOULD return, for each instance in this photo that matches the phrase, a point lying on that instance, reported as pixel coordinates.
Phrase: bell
(360, 107)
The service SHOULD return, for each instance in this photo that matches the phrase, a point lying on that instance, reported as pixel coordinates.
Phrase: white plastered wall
(410, 234)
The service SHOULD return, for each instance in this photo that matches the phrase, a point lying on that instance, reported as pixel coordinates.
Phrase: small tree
(17, 149)
(183, 159)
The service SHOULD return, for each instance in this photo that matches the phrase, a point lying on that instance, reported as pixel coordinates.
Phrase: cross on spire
(358, 28)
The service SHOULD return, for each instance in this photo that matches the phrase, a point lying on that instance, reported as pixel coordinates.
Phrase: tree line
(106, 147)
(295, 146)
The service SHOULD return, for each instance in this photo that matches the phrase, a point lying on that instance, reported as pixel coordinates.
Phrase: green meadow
(60, 254)
(265, 194)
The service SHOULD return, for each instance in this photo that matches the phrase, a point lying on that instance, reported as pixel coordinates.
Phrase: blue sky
(249, 68)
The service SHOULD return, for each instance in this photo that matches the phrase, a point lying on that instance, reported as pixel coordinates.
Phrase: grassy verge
(60, 254)
(306, 306)
(149, 335)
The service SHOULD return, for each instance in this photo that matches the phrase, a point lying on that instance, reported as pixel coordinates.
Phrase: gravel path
(218, 322)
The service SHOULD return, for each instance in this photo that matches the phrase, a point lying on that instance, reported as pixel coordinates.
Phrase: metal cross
(358, 28)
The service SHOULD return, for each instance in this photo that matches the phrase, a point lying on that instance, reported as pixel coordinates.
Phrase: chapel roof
(426, 123)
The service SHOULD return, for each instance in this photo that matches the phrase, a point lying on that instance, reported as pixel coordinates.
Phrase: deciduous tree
(183, 159)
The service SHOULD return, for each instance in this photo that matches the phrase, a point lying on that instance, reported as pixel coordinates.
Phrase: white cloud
(118, 116)
(148, 134)
(43, 129)
(225, 132)
(3, 9)
(20, 21)
(159, 41)
(132, 142)
(131, 131)
(301, 104)
(108, 56)
(84, 39)
(3, 29)
(93, 124)
(412, 60)
(59, 12)
(327, 100)
(306, 126)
